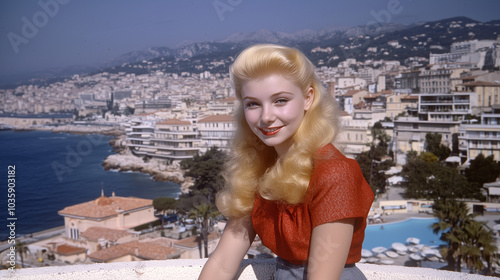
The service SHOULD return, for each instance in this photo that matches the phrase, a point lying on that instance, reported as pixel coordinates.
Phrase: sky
(37, 35)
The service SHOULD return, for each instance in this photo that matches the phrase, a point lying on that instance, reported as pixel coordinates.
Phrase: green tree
(433, 145)
(164, 203)
(22, 249)
(206, 169)
(482, 170)
(116, 110)
(424, 177)
(187, 201)
(452, 216)
(468, 240)
(475, 244)
(428, 157)
(129, 111)
(374, 162)
(206, 212)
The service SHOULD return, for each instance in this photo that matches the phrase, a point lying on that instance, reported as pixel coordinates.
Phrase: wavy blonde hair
(254, 167)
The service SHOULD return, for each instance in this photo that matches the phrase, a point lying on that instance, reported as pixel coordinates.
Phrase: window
(74, 233)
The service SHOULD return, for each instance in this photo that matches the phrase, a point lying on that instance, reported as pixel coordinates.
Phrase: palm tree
(204, 211)
(476, 244)
(468, 239)
(451, 214)
(22, 249)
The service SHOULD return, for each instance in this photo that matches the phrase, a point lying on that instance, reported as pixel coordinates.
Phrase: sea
(49, 171)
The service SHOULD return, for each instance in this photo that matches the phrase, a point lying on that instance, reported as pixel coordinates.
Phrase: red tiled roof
(192, 242)
(229, 99)
(385, 92)
(174, 122)
(67, 250)
(106, 206)
(351, 92)
(149, 249)
(95, 233)
(411, 97)
(371, 96)
(217, 118)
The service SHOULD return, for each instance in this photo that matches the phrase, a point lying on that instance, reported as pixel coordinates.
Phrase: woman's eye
(281, 101)
(251, 105)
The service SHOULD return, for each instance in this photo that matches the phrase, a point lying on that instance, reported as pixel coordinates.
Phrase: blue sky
(42, 34)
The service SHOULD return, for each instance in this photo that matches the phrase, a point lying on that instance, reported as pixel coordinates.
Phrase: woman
(285, 181)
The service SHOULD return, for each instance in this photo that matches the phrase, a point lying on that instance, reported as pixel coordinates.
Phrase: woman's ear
(309, 99)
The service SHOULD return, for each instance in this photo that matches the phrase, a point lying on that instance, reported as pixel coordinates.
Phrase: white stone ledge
(186, 269)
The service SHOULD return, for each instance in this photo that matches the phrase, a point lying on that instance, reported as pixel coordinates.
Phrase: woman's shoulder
(329, 157)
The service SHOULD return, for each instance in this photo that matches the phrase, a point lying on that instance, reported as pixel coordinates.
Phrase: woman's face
(274, 108)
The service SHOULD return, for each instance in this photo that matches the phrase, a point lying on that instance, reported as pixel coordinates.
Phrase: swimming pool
(386, 234)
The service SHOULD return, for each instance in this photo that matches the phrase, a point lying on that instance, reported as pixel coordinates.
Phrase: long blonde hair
(254, 167)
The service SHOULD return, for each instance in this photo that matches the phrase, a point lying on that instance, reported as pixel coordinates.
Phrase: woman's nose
(268, 115)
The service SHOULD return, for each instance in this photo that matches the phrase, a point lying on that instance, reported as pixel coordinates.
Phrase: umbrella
(431, 252)
(415, 257)
(386, 261)
(372, 260)
(366, 253)
(399, 247)
(412, 240)
(453, 159)
(379, 250)
(395, 180)
(392, 254)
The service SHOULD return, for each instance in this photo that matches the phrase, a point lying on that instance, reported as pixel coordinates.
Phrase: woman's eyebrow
(272, 96)
(281, 92)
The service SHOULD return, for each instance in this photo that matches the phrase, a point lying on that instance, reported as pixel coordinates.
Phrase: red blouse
(337, 190)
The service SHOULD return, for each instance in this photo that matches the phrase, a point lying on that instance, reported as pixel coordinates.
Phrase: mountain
(332, 45)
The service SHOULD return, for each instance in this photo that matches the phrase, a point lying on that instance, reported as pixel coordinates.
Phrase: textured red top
(337, 190)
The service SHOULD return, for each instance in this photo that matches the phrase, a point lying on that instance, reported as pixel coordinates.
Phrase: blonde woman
(285, 180)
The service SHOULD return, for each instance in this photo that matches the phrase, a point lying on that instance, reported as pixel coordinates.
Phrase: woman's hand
(329, 248)
(234, 244)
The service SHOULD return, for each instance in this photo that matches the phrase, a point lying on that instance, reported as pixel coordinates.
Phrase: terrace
(185, 269)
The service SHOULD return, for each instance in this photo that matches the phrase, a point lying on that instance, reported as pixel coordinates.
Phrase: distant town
(169, 117)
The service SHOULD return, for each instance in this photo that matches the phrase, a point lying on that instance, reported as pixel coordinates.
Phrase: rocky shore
(156, 168)
(124, 161)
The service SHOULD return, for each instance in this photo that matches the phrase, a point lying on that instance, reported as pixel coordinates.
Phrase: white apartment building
(435, 80)
(355, 135)
(176, 139)
(480, 138)
(410, 132)
(139, 135)
(474, 52)
(216, 130)
(351, 98)
(446, 107)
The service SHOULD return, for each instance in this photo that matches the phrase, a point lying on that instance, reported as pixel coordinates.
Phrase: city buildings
(173, 116)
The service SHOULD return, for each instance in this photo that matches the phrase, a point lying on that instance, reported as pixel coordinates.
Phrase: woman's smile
(270, 131)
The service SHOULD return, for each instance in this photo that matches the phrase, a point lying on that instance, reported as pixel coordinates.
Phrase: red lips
(270, 130)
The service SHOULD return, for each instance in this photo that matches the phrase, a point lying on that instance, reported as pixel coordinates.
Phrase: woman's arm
(226, 259)
(329, 248)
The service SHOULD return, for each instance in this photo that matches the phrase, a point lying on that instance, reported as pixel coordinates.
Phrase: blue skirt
(288, 271)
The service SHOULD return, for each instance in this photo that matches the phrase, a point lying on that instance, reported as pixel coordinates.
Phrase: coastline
(122, 160)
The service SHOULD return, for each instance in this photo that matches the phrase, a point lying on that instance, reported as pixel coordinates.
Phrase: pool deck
(491, 220)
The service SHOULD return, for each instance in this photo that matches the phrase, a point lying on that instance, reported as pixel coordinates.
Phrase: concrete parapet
(185, 269)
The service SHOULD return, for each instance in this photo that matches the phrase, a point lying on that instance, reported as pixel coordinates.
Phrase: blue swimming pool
(388, 233)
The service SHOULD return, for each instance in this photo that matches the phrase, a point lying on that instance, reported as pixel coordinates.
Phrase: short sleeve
(339, 191)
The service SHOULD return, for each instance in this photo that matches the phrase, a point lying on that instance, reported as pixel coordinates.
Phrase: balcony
(186, 269)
